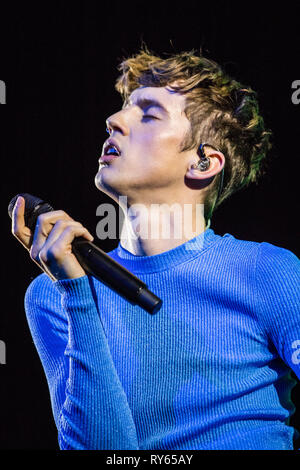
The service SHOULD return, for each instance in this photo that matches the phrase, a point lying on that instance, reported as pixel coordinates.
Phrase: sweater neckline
(162, 261)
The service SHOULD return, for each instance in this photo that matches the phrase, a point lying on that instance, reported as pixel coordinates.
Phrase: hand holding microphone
(50, 245)
(63, 249)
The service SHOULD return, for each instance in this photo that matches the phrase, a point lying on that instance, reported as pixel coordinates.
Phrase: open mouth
(112, 149)
(110, 152)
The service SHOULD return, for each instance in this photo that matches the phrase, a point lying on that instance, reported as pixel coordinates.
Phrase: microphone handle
(97, 263)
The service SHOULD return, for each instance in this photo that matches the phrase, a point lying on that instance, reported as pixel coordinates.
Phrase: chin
(104, 186)
(98, 179)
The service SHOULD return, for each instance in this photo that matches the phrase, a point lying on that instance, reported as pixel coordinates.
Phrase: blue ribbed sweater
(210, 370)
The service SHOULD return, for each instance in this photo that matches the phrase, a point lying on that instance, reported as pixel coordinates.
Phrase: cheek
(158, 141)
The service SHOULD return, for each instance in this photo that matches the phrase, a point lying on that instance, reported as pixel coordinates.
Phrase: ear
(217, 162)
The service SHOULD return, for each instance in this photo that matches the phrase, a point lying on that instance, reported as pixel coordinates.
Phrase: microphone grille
(34, 206)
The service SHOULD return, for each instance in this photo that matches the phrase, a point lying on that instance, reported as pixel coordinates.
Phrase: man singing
(212, 368)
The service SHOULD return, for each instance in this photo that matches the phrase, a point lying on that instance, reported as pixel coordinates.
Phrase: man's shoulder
(236, 249)
(262, 255)
(276, 259)
(263, 248)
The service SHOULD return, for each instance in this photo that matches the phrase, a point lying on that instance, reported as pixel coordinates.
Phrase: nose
(117, 123)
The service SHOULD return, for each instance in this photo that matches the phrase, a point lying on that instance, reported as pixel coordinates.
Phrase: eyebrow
(148, 102)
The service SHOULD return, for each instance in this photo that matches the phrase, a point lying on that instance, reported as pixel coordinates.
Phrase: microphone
(95, 261)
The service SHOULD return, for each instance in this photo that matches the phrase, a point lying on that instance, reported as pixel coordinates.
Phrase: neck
(153, 229)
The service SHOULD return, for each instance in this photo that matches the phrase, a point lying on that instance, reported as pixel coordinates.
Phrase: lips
(107, 158)
(110, 151)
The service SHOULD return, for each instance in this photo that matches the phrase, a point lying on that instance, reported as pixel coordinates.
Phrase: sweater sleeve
(89, 404)
(278, 280)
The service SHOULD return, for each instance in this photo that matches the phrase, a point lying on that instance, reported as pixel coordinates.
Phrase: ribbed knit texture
(210, 370)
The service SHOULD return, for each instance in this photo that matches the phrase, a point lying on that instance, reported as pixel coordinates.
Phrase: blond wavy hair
(222, 112)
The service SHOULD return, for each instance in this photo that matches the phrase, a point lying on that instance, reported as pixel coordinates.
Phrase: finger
(59, 246)
(19, 230)
(65, 239)
(44, 225)
(59, 228)
(18, 215)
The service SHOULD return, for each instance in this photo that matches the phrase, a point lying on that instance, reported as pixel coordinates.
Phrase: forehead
(171, 100)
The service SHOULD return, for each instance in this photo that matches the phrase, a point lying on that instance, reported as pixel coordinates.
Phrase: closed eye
(149, 116)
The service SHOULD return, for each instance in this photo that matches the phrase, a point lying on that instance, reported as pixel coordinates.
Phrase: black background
(59, 62)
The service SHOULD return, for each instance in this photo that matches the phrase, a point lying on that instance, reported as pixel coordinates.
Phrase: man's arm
(89, 404)
(277, 283)
(94, 413)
